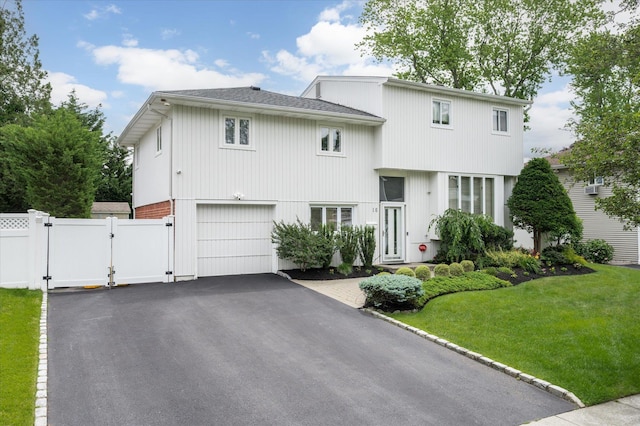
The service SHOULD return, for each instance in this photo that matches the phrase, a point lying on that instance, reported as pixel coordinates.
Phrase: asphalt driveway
(260, 350)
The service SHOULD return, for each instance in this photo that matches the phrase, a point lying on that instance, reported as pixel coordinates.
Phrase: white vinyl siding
(597, 225)
(408, 141)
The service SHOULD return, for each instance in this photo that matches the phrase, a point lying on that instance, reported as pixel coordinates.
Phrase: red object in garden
(422, 247)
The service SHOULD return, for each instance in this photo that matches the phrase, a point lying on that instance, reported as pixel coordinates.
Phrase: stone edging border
(517, 374)
(41, 383)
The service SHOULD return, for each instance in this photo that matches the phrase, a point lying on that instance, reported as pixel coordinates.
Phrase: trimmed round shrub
(391, 292)
(467, 265)
(384, 273)
(596, 251)
(441, 270)
(423, 272)
(406, 271)
(455, 269)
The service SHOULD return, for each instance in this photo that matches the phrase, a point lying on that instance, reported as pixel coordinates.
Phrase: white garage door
(234, 240)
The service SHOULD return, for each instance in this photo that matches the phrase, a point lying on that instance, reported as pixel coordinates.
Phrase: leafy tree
(23, 89)
(115, 178)
(540, 204)
(509, 46)
(606, 81)
(58, 159)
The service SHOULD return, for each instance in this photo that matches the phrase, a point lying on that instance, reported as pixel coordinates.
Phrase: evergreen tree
(59, 160)
(540, 204)
(115, 175)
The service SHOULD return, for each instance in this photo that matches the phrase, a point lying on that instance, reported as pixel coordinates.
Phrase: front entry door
(393, 233)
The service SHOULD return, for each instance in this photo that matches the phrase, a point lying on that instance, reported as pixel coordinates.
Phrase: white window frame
(472, 192)
(250, 146)
(136, 156)
(339, 208)
(498, 110)
(159, 140)
(596, 181)
(439, 123)
(332, 129)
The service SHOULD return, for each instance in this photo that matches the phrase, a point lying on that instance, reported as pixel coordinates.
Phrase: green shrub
(455, 269)
(596, 251)
(510, 259)
(441, 270)
(367, 245)
(345, 268)
(383, 273)
(465, 236)
(423, 273)
(347, 243)
(505, 270)
(469, 281)
(406, 271)
(296, 242)
(491, 270)
(467, 265)
(326, 244)
(390, 292)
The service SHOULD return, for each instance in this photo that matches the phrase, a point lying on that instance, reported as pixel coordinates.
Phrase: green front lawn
(579, 332)
(19, 336)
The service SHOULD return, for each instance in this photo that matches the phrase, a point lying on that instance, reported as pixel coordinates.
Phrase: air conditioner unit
(591, 189)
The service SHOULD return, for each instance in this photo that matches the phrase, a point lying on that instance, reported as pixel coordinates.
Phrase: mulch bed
(519, 275)
(329, 273)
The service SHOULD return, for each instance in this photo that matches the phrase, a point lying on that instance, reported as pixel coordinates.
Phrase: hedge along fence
(307, 248)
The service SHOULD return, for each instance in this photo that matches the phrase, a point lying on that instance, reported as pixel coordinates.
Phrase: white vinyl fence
(42, 252)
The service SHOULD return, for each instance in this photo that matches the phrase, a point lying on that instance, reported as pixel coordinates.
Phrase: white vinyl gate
(108, 252)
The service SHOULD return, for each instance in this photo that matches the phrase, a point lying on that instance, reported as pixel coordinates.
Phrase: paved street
(249, 350)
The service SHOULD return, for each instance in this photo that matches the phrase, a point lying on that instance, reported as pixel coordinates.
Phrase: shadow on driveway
(258, 349)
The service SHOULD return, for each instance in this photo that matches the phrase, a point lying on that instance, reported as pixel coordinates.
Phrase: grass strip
(578, 332)
(19, 337)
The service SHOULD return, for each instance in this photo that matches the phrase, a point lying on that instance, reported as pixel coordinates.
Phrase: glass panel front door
(393, 234)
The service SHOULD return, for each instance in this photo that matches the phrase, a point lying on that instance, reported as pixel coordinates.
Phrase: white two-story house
(350, 150)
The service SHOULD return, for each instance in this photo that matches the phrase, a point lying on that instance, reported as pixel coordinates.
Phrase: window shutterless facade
(500, 119)
(472, 194)
(336, 215)
(331, 140)
(441, 112)
(237, 132)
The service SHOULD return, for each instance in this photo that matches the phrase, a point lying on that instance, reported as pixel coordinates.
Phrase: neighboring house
(103, 209)
(350, 151)
(596, 224)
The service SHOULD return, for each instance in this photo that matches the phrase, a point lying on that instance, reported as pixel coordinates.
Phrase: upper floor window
(500, 120)
(331, 140)
(472, 194)
(441, 112)
(237, 132)
(596, 181)
(159, 139)
(337, 216)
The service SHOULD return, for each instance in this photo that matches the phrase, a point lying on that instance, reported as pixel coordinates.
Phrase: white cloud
(129, 41)
(221, 63)
(253, 36)
(102, 12)
(63, 84)
(157, 69)
(169, 33)
(328, 48)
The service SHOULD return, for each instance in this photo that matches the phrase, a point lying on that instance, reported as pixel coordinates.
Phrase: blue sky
(115, 53)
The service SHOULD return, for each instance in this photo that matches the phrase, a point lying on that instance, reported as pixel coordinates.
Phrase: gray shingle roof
(256, 96)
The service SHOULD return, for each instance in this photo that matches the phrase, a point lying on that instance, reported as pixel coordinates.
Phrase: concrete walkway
(621, 412)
